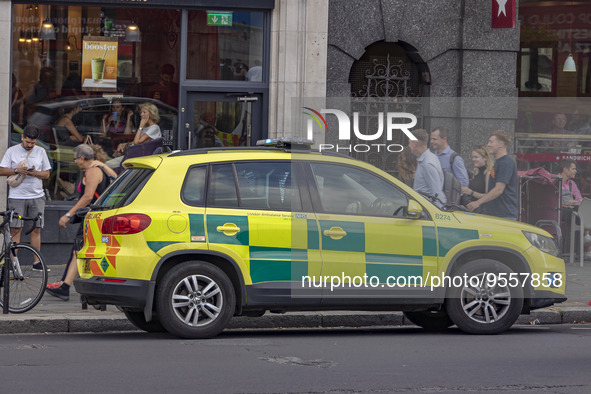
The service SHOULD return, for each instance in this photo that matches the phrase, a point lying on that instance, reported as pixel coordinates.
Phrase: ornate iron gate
(382, 84)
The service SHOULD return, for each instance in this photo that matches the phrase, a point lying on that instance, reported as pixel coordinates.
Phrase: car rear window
(124, 190)
(193, 192)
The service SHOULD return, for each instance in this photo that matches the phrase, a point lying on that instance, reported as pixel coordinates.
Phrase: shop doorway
(222, 119)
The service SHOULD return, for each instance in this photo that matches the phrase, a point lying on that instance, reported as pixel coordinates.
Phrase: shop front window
(554, 113)
(225, 46)
(81, 73)
(537, 70)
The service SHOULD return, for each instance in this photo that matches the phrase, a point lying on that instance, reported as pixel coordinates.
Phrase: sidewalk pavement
(53, 315)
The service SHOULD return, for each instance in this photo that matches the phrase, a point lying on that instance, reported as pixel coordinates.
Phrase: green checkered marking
(216, 237)
(450, 237)
(277, 270)
(157, 245)
(429, 241)
(394, 259)
(261, 252)
(277, 264)
(313, 235)
(354, 241)
(197, 225)
(382, 271)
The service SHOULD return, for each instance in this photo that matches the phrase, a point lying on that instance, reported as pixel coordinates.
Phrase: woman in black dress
(483, 165)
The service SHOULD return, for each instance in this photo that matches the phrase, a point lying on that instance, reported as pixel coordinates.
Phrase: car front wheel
(484, 303)
(195, 300)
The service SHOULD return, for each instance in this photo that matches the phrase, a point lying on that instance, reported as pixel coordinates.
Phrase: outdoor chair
(148, 148)
(583, 223)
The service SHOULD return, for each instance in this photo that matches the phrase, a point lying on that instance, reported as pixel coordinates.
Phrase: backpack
(451, 185)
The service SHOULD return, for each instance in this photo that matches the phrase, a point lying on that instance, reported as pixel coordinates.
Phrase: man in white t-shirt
(255, 73)
(28, 198)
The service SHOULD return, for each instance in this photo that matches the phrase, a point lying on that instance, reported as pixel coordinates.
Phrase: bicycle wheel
(25, 290)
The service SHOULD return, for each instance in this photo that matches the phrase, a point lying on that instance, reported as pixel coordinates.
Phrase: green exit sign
(219, 19)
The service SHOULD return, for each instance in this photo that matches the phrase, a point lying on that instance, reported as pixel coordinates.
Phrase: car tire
(138, 319)
(430, 320)
(184, 310)
(484, 308)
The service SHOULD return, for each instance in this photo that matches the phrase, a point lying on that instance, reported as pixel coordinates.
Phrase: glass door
(222, 119)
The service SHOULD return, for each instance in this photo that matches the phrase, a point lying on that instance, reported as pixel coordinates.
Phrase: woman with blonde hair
(406, 166)
(148, 130)
(483, 166)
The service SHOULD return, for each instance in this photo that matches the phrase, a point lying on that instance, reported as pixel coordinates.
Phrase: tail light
(132, 223)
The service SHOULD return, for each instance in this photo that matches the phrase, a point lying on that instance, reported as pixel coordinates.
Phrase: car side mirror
(413, 210)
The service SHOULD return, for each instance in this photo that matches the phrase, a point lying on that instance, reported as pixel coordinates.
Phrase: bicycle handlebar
(11, 214)
(19, 217)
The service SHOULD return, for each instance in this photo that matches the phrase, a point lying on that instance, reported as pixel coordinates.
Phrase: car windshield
(124, 190)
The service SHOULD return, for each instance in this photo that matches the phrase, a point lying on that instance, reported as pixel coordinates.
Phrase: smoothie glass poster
(99, 64)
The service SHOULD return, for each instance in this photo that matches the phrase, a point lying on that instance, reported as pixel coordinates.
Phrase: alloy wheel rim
(487, 302)
(197, 300)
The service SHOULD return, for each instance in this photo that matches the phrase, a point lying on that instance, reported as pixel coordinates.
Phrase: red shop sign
(503, 14)
(552, 157)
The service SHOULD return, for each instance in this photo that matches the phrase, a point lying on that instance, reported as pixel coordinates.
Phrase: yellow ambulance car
(184, 241)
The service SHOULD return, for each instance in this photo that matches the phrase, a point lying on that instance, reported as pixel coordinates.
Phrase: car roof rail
(201, 151)
(279, 144)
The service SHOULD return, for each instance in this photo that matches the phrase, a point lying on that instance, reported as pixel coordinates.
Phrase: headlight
(545, 244)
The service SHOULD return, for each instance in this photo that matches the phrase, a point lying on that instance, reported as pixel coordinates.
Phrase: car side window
(222, 187)
(349, 190)
(268, 185)
(193, 192)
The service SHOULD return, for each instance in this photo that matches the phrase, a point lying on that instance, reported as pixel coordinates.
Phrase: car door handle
(335, 232)
(228, 229)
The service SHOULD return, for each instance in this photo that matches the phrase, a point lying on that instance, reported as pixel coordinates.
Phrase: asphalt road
(549, 359)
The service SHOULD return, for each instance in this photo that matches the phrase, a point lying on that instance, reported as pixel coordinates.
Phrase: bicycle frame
(10, 259)
(7, 261)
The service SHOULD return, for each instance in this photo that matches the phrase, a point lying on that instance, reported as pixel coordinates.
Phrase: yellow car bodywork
(266, 246)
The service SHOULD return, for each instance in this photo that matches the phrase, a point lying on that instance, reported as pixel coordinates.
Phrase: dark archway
(388, 77)
(389, 70)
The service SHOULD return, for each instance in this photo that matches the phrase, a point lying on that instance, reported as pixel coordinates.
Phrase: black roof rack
(278, 144)
(201, 151)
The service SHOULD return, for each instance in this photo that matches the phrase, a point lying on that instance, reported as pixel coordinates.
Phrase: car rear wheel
(484, 303)
(138, 319)
(430, 320)
(195, 300)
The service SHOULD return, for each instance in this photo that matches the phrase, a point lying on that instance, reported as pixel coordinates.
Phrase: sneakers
(59, 292)
(39, 267)
(54, 285)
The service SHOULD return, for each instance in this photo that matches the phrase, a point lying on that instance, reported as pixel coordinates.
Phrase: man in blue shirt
(429, 175)
(441, 148)
(503, 187)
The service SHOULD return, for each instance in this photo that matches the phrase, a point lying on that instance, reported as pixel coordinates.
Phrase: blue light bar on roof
(286, 142)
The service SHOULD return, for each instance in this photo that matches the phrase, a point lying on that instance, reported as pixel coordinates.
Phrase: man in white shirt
(28, 198)
(255, 73)
(429, 175)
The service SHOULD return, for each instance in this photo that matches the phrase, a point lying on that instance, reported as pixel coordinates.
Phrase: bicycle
(22, 285)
